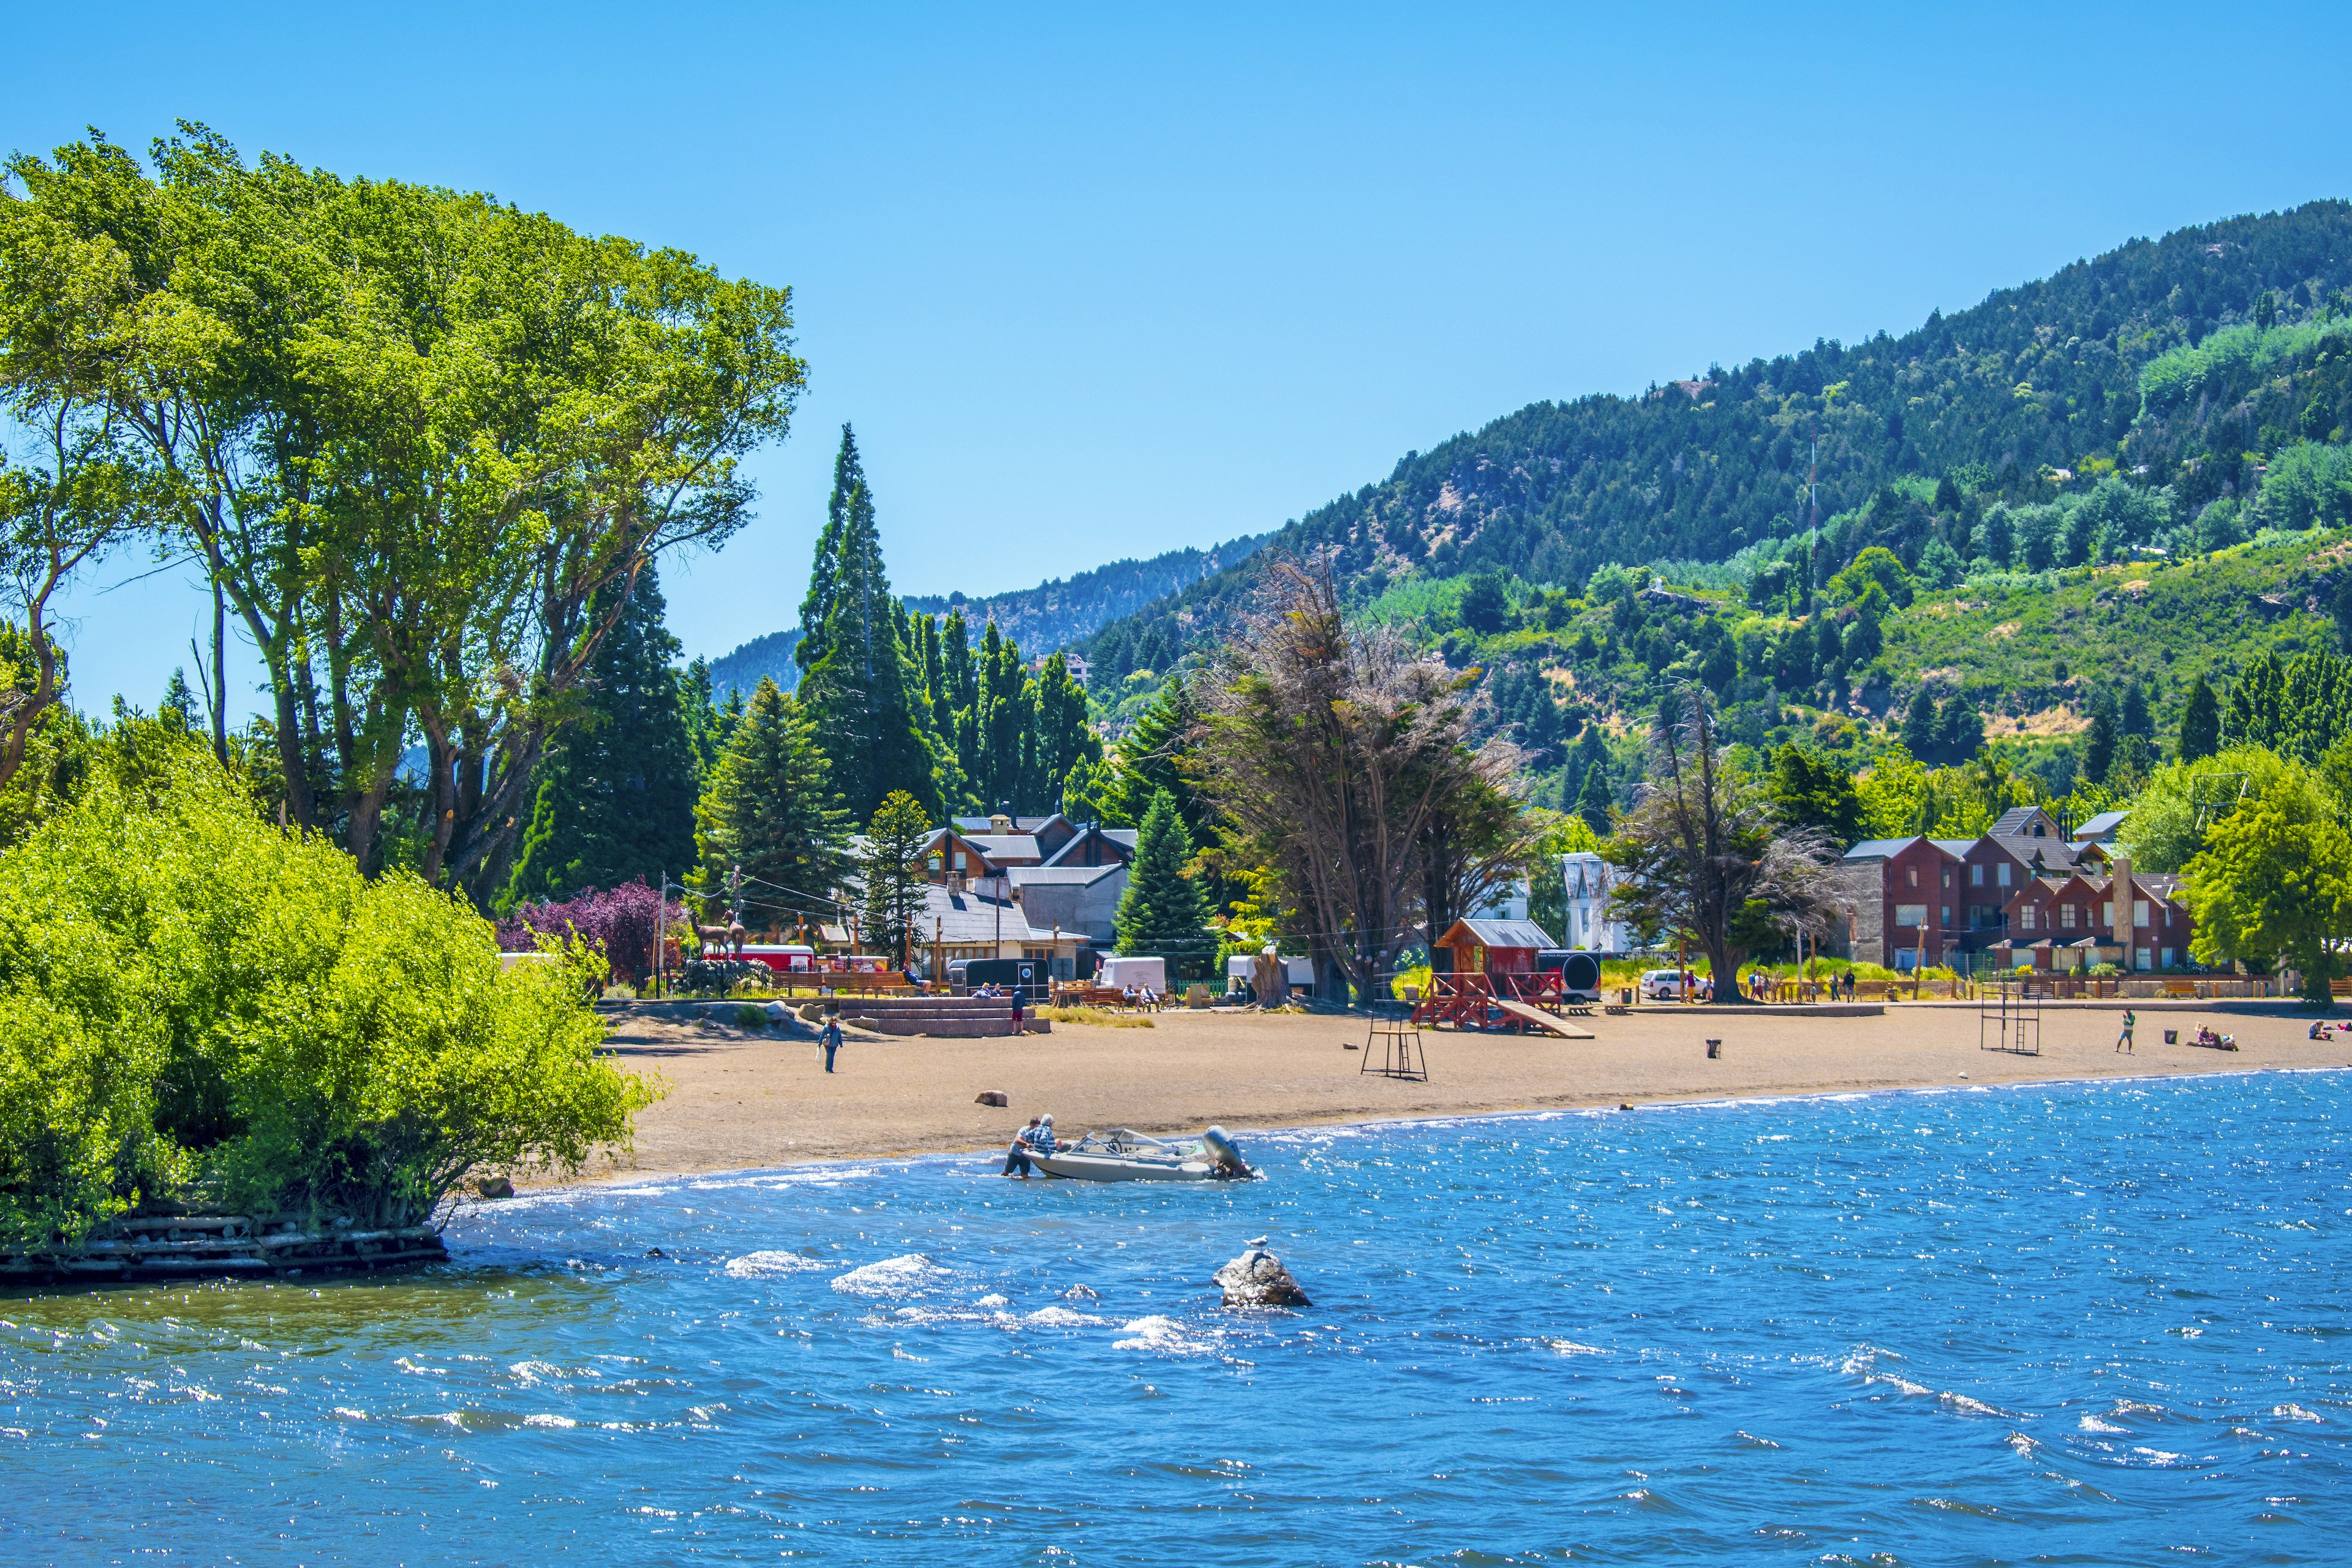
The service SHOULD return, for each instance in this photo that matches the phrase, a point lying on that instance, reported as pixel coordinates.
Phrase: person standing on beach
(1019, 997)
(2123, 1040)
(831, 1038)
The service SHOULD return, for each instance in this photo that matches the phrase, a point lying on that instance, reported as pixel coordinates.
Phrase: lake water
(2078, 1323)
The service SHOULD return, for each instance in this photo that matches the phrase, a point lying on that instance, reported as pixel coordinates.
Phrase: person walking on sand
(831, 1038)
(2123, 1040)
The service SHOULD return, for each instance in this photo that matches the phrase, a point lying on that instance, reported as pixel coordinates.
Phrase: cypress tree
(861, 691)
(1002, 758)
(770, 809)
(2099, 740)
(1065, 739)
(2201, 722)
(1160, 912)
(615, 797)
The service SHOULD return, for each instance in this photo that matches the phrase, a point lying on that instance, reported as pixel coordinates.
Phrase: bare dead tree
(1704, 851)
(1331, 751)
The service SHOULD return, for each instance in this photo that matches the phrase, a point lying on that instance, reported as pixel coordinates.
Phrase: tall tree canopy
(410, 433)
(863, 691)
(617, 788)
(1161, 913)
(770, 810)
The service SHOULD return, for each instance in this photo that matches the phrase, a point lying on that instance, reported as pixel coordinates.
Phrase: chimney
(1000, 822)
(2121, 890)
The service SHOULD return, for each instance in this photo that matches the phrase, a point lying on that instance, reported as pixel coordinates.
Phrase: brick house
(1902, 899)
(2132, 919)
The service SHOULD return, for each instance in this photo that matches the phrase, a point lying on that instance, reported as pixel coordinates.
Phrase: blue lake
(2077, 1323)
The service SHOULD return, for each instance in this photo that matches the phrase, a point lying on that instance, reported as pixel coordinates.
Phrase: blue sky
(1094, 285)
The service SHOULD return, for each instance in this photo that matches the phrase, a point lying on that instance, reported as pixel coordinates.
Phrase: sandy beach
(739, 1099)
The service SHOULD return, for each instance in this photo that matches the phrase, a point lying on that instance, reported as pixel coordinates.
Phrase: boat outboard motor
(1221, 1149)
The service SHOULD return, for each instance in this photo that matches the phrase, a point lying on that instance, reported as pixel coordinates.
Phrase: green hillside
(2084, 492)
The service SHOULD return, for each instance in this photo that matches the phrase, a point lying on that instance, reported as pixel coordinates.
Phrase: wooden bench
(2180, 989)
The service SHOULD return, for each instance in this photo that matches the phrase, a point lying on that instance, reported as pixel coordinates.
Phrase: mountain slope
(1054, 615)
(2036, 389)
(1057, 613)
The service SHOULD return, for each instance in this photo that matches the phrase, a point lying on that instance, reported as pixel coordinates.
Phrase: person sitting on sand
(1016, 1158)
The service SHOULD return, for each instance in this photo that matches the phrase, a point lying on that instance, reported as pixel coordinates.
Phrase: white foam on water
(2297, 1413)
(549, 1421)
(992, 1299)
(1165, 1336)
(1062, 1318)
(890, 1277)
(1569, 1347)
(2093, 1423)
(762, 1265)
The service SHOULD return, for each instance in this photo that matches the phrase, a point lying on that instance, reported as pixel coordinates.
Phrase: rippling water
(2087, 1323)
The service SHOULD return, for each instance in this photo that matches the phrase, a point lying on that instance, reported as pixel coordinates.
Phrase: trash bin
(2171, 1036)
(1624, 996)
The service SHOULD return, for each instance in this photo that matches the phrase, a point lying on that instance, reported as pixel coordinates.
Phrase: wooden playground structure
(1494, 984)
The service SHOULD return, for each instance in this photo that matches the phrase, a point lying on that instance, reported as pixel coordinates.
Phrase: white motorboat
(1120, 1155)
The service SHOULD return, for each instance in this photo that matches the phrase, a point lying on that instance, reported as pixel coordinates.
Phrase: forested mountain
(770, 656)
(1057, 613)
(1054, 615)
(2033, 395)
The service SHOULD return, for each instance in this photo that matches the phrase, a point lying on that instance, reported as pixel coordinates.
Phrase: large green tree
(410, 433)
(617, 788)
(1811, 790)
(1161, 913)
(862, 688)
(2273, 882)
(771, 811)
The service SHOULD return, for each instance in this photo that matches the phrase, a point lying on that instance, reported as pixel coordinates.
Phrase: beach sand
(737, 1100)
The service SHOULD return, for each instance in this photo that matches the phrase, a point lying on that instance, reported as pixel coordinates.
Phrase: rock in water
(993, 1097)
(494, 1187)
(1257, 1279)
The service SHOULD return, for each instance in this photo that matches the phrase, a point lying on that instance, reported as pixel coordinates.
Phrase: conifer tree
(891, 879)
(1592, 803)
(1153, 755)
(1161, 913)
(861, 691)
(1919, 726)
(1003, 756)
(2201, 722)
(826, 571)
(698, 705)
(770, 809)
(616, 790)
(1065, 739)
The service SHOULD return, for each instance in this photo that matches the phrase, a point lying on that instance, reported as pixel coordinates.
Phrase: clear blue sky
(1093, 286)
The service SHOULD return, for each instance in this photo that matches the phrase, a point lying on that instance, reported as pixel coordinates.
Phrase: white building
(1589, 880)
(1507, 902)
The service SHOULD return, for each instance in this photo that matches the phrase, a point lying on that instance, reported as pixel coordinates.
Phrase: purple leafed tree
(620, 922)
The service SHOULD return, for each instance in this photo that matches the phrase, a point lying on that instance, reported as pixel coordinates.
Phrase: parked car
(1666, 985)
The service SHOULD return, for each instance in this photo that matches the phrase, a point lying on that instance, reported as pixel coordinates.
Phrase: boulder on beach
(1257, 1279)
(494, 1187)
(992, 1097)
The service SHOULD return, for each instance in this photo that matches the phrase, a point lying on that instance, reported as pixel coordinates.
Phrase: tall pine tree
(615, 797)
(862, 690)
(1153, 753)
(1065, 739)
(770, 810)
(1161, 912)
(824, 571)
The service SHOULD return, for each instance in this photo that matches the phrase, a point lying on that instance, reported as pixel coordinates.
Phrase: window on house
(1947, 914)
(2107, 916)
(1976, 876)
(2003, 878)
(2139, 911)
(1910, 914)
(2025, 918)
(2066, 916)
(1947, 878)
(1912, 873)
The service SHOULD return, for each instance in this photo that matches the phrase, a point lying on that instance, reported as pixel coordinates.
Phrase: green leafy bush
(197, 1007)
